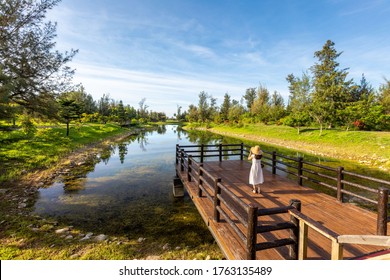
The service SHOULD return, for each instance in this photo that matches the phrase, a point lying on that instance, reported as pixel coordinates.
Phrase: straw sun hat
(256, 150)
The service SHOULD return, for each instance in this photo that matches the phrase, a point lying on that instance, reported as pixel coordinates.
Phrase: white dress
(256, 173)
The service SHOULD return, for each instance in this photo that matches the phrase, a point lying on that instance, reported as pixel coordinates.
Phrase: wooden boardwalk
(332, 217)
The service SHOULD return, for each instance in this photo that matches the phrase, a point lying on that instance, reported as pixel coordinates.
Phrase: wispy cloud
(162, 91)
(169, 53)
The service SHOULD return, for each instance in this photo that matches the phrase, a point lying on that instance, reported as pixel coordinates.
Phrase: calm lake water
(127, 189)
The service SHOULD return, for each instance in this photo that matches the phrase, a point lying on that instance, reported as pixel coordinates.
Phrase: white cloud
(163, 92)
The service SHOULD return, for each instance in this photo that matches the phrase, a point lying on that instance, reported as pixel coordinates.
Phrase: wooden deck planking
(342, 218)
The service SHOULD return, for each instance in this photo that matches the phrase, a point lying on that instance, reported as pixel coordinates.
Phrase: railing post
(337, 251)
(201, 153)
(340, 184)
(182, 159)
(273, 162)
(217, 202)
(383, 198)
(303, 238)
(220, 152)
(300, 172)
(200, 179)
(242, 152)
(251, 238)
(294, 232)
(177, 154)
(189, 170)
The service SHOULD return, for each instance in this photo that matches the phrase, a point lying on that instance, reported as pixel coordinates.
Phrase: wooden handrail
(376, 240)
(305, 223)
(186, 161)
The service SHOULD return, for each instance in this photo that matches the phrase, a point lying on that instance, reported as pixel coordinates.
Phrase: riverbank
(25, 235)
(367, 148)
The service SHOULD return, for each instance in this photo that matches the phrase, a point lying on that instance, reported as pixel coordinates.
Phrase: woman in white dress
(256, 174)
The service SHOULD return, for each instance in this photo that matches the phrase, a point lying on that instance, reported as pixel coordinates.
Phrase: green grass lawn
(20, 153)
(366, 147)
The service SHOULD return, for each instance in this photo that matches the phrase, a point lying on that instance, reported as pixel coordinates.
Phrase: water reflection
(127, 188)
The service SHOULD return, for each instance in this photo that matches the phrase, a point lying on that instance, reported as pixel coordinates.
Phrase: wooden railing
(311, 174)
(233, 209)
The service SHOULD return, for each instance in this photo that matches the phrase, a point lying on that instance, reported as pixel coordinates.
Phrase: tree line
(323, 96)
(35, 80)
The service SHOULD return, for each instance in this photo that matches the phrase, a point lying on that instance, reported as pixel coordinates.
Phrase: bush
(28, 127)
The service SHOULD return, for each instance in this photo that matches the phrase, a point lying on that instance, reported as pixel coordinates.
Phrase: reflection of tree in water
(122, 149)
(76, 179)
(143, 141)
(179, 132)
(161, 129)
(204, 137)
(105, 155)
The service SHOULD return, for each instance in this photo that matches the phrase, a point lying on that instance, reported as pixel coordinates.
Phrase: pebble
(62, 230)
(75, 256)
(101, 237)
(141, 239)
(166, 246)
(22, 205)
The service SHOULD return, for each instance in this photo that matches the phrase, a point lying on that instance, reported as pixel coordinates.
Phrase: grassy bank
(370, 148)
(31, 163)
(21, 154)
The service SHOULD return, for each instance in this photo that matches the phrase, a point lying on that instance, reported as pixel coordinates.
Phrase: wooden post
(220, 152)
(337, 251)
(294, 232)
(201, 153)
(300, 172)
(242, 152)
(200, 179)
(189, 170)
(302, 242)
(177, 154)
(182, 159)
(383, 198)
(274, 162)
(217, 202)
(340, 184)
(251, 237)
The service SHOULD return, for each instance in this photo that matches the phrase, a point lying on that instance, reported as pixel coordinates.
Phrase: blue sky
(168, 51)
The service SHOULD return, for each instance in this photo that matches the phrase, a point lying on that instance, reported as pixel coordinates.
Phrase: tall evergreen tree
(300, 90)
(332, 90)
(121, 113)
(69, 110)
(32, 72)
(249, 97)
(225, 107)
(260, 107)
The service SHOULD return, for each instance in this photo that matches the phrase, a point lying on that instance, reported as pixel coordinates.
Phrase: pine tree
(331, 89)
